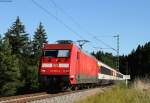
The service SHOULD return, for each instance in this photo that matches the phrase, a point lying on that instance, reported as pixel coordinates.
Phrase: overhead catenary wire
(57, 19)
(67, 26)
(80, 27)
(65, 13)
(54, 6)
(69, 16)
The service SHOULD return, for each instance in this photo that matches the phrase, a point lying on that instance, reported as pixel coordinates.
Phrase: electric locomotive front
(55, 65)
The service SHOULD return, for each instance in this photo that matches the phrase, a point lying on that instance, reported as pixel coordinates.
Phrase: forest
(137, 63)
(19, 59)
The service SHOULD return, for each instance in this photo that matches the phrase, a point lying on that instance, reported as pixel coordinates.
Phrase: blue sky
(103, 18)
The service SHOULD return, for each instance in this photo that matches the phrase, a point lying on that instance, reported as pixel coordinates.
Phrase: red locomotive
(65, 65)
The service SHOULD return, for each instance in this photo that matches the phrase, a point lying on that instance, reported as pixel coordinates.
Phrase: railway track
(23, 98)
(38, 96)
(30, 97)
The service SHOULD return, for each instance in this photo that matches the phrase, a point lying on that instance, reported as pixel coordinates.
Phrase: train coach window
(105, 70)
(56, 53)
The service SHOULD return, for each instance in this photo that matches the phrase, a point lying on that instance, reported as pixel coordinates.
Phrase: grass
(120, 94)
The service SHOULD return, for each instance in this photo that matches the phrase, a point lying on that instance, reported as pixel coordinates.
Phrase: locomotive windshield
(56, 53)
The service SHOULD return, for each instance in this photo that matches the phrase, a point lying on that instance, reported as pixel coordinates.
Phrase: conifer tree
(31, 72)
(9, 69)
(21, 47)
(18, 37)
(39, 39)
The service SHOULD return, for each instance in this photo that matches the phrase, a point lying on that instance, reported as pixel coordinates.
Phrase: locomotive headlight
(72, 77)
(42, 70)
(64, 65)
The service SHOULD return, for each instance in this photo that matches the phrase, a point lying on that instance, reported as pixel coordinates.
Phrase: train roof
(105, 65)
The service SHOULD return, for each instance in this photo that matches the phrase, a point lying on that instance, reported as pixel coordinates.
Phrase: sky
(94, 20)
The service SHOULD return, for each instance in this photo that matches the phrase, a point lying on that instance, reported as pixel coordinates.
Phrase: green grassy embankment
(121, 94)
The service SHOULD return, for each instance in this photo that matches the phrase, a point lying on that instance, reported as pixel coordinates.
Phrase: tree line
(137, 63)
(19, 59)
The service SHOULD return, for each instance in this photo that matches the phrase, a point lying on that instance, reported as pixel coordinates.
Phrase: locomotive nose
(54, 60)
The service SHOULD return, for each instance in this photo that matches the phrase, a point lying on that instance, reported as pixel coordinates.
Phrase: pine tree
(18, 37)
(22, 47)
(31, 72)
(39, 39)
(9, 69)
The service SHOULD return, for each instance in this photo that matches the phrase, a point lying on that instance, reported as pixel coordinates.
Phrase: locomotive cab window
(63, 53)
(57, 53)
